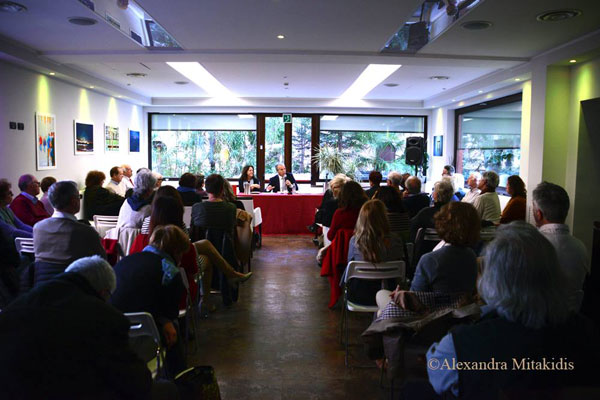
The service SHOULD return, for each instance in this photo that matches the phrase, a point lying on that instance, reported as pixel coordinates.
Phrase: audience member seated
(453, 268)
(137, 207)
(352, 197)
(375, 179)
(62, 341)
(516, 208)
(229, 196)
(442, 194)
(397, 216)
(472, 182)
(163, 191)
(98, 200)
(395, 179)
(249, 178)
(60, 240)
(45, 185)
(405, 176)
(127, 174)
(448, 171)
(372, 241)
(526, 325)
(150, 281)
(550, 209)
(487, 203)
(10, 224)
(26, 205)
(412, 198)
(167, 209)
(116, 184)
(200, 186)
(331, 197)
(216, 212)
(9, 263)
(283, 179)
(187, 189)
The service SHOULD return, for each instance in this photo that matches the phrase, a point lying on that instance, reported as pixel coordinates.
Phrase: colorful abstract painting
(45, 141)
(111, 138)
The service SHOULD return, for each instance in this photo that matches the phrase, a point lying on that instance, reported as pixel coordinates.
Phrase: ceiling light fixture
(372, 76)
(181, 82)
(439, 78)
(476, 25)
(280, 37)
(329, 117)
(518, 79)
(12, 7)
(92, 87)
(558, 15)
(136, 74)
(201, 77)
(390, 84)
(83, 21)
(52, 73)
(480, 91)
(572, 61)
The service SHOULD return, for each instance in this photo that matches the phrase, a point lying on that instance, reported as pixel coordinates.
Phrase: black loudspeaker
(415, 146)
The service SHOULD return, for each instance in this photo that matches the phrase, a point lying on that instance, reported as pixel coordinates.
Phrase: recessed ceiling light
(91, 87)
(439, 78)
(558, 15)
(453, 99)
(181, 82)
(12, 7)
(390, 84)
(52, 73)
(476, 25)
(572, 61)
(372, 76)
(518, 79)
(280, 37)
(83, 21)
(201, 77)
(480, 91)
(136, 74)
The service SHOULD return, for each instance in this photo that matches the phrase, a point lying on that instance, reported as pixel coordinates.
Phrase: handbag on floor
(198, 383)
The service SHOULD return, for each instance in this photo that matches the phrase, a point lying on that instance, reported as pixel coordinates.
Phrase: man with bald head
(26, 205)
(127, 174)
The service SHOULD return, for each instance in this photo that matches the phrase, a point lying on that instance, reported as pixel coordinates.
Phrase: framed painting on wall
(45, 141)
(111, 138)
(134, 141)
(84, 137)
(438, 146)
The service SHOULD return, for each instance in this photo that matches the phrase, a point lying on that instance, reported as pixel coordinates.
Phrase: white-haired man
(487, 203)
(474, 191)
(66, 331)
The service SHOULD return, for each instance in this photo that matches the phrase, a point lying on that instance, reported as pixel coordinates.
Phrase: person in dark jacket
(375, 179)
(442, 194)
(98, 200)
(150, 281)
(413, 200)
(62, 341)
(187, 189)
(528, 344)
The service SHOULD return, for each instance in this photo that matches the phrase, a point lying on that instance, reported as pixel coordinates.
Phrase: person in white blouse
(472, 194)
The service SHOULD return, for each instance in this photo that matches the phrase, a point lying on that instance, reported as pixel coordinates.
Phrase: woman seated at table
(98, 200)
(372, 241)
(453, 268)
(352, 197)
(249, 178)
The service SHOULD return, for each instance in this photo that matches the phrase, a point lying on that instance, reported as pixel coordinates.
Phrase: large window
(203, 143)
(489, 138)
(368, 143)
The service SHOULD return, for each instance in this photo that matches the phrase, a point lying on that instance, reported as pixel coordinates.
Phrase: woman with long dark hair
(248, 177)
(516, 208)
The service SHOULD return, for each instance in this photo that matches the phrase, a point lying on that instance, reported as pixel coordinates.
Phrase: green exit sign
(287, 118)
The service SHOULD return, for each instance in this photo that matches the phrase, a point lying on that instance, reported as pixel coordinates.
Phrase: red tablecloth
(287, 213)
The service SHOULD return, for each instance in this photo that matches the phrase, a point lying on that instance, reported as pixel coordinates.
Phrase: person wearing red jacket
(26, 205)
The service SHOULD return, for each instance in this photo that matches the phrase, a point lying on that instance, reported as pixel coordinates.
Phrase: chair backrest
(187, 215)
(375, 271)
(141, 324)
(24, 245)
(103, 223)
(425, 240)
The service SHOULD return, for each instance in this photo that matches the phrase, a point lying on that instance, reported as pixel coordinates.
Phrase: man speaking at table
(282, 180)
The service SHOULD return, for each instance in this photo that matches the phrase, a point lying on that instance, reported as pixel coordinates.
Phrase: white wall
(23, 93)
(441, 123)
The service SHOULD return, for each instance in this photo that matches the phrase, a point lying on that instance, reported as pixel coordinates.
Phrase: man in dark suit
(282, 179)
(413, 200)
(60, 240)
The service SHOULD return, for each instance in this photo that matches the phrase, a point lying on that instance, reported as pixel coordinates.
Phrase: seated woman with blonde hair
(372, 241)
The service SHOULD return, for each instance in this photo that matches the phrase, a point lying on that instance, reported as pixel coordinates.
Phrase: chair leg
(347, 340)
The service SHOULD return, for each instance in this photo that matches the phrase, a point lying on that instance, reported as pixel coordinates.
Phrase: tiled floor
(280, 341)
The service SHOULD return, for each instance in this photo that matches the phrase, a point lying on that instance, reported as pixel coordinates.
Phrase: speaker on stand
(414, 152)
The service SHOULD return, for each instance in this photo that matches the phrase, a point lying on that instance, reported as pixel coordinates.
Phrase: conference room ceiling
(327, 45)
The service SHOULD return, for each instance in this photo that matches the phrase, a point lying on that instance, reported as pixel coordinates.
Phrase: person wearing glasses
(26, 206)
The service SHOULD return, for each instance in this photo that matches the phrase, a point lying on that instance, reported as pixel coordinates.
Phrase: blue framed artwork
(134, 141)
(438, 146)
(84, 137)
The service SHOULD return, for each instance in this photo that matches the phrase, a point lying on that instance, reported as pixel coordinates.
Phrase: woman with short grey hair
(487, 203)
(526, 331)
(442, 195)
(137, 206)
